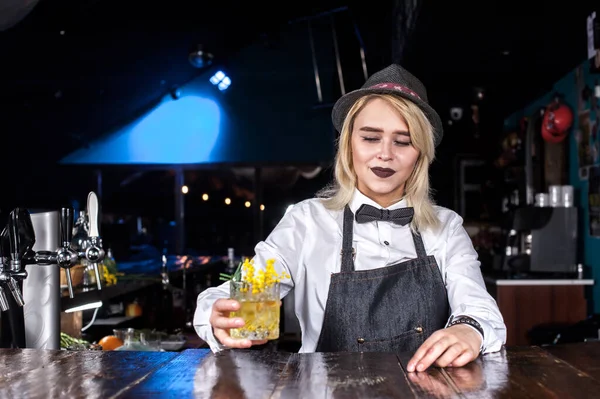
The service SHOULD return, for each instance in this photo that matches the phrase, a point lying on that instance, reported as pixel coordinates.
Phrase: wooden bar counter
(569, 371)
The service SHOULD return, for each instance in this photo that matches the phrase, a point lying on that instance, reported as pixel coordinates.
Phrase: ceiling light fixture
(199, 58)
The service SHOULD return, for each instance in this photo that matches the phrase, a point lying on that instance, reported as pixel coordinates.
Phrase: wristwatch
(454, 320)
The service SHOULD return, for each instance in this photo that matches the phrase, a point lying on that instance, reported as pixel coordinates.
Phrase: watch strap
(466, 320)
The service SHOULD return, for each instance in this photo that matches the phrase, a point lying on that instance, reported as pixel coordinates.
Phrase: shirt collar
(359, 198)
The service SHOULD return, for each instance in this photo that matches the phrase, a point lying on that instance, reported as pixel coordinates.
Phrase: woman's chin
(382, 190)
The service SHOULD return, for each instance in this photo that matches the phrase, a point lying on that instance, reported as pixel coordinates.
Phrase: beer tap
(66, 258)
(69, 254)
(17, 241)
(20, 237)
(94, 252)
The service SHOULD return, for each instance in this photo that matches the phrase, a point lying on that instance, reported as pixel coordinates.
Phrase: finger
(222, 335)
(432, 354)
(422, 351)
(219, 317)
(225, 306)
(466, 357)
(225, 323)
(451, 354)
(226, 340)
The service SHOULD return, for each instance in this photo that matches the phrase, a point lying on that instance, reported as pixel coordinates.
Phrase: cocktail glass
(260, 310)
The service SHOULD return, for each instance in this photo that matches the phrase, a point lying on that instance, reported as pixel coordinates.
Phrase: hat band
(395, 87)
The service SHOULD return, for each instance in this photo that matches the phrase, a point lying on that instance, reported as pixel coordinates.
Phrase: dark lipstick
(383, 172)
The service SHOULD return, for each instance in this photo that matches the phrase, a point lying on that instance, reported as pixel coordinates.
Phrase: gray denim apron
(389, 309)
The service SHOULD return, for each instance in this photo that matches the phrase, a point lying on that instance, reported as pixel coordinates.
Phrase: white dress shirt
(307, 244)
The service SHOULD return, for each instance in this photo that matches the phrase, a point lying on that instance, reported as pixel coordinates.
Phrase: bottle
(108, 266)
(164, 270)
(165, 322)
(110, 262)
(580, 271)
(230, 261)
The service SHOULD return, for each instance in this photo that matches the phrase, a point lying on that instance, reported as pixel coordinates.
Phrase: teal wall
(579, 161)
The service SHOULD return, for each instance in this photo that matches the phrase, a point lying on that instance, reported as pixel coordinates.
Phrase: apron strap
(347, 234)
(421, 253)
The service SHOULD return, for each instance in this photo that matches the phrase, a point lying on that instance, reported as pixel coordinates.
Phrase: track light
(220, 80)
(199, 58)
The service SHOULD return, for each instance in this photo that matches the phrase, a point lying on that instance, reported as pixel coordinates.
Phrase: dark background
(74, 70)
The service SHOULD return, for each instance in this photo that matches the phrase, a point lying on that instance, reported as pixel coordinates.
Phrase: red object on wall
(557, 120)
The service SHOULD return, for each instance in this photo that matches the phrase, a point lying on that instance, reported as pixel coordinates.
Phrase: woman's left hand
(450, 347)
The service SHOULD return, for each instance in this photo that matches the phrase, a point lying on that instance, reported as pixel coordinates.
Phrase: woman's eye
(403, 143)
(370, 139)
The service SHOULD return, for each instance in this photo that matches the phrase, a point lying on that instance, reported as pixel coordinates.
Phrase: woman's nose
(385, 151)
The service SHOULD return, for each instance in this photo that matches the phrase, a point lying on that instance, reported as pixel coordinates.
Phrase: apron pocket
(408, 341)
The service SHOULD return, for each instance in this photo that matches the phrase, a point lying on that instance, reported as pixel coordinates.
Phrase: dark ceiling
(73, 69)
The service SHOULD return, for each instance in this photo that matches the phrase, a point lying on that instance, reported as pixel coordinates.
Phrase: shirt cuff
(205, 332)
(493, 339)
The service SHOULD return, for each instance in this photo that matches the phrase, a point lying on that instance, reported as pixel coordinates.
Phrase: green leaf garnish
(232, 277)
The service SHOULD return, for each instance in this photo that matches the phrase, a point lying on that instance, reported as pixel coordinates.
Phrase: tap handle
(17, 237)
(66, 227)
(15, 291)
(93, 210)
(14, 240)
(3, 300)
(20, 234)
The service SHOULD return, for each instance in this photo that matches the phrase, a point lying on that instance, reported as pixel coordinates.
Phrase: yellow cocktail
(257, 291)
(259, 310)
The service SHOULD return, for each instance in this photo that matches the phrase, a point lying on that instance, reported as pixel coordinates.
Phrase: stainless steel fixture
(17, 243)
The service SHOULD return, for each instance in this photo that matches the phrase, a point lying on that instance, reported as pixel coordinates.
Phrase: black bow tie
(367, 213)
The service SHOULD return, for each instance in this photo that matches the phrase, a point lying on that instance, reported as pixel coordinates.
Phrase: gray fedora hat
(392, 80)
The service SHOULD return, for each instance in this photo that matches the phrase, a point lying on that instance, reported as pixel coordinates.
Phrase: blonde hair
(416, 191)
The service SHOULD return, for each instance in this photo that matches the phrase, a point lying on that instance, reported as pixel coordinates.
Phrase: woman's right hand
(221, 324)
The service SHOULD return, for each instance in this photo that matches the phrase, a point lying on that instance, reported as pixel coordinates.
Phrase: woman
(374, 265)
